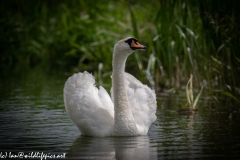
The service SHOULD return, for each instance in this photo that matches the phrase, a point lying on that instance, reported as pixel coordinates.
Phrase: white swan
(129, 112)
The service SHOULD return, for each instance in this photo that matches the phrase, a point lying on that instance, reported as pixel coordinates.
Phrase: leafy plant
(73, 36)
(189, 93)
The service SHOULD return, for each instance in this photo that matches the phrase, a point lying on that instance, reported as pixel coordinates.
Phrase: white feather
(89, 108)
(142, 101)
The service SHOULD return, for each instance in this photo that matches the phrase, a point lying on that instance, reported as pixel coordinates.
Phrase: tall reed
(76, 36)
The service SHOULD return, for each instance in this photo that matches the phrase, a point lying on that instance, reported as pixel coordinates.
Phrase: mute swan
(129, 112)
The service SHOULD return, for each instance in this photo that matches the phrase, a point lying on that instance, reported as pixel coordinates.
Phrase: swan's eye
(129, 41)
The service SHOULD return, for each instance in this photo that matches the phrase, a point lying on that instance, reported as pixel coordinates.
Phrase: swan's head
(127, 46)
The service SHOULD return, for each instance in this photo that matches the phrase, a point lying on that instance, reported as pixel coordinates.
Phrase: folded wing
(142, 101)
(90, 108)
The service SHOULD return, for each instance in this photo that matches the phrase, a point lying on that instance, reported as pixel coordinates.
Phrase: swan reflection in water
(138, 148)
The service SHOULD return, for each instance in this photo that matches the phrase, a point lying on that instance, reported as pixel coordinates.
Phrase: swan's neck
(123, 122)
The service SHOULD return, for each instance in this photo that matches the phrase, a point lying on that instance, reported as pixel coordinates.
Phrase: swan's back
(89, 108)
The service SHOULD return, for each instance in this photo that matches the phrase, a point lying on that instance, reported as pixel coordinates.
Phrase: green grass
(73, 36)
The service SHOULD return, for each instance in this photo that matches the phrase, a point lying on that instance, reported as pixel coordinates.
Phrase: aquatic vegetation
(189, 93)
(182, 37)
(192, 103)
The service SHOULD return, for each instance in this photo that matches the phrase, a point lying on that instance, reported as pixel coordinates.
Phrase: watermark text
(31, 155)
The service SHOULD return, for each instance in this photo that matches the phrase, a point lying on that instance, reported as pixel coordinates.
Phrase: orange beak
(136, 45)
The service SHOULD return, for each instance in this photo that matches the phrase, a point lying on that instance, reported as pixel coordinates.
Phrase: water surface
(33, 119)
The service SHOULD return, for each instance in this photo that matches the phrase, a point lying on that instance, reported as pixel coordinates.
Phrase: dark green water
(33, 119)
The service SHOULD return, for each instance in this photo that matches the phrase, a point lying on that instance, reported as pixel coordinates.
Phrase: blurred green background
(183, 37)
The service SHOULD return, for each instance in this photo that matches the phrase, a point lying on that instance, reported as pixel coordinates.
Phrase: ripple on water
(33, 118)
